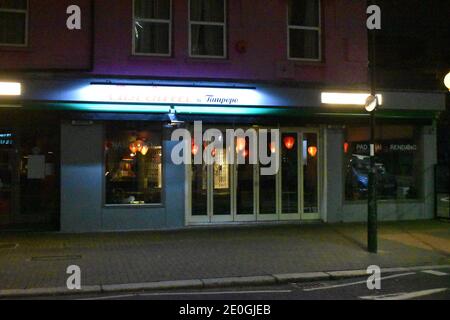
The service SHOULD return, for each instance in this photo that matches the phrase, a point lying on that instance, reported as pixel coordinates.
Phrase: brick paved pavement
(40, 260)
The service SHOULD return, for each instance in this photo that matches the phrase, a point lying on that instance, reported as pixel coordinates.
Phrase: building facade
(89, 106)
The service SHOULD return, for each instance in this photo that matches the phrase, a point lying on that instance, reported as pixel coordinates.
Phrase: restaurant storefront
(109, 148)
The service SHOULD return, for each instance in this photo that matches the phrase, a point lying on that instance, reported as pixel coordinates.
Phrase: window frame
(223, 24)
(26, 33)
(162, 203)
(133, 32)
(297, 27)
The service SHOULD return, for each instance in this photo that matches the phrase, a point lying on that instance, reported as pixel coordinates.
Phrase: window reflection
(397, 162)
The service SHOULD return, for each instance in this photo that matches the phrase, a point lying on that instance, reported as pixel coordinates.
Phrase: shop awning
(340, 113)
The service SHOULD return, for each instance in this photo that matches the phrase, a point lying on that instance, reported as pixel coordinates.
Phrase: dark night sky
(413, 50)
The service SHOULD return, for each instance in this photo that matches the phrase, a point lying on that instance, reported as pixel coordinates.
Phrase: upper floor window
(13, 22)
(304, 30)
(152, 27)
(207, 28)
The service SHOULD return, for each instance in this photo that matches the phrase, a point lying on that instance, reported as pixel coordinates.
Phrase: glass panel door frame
(320, 173)
(209, 216)
(235, 172)
(291, 216)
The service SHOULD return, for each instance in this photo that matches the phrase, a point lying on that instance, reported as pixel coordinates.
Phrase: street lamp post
(372, 218)
(371, 107)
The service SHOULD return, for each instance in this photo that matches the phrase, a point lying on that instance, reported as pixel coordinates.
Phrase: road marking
(187, 294)
(359, 282)
(435, 273)
(405, 295)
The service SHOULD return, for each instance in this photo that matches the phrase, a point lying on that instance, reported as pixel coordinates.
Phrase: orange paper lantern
(240, 144)
(289, 142)
(312, 151)
(144, 149)
(133, 147)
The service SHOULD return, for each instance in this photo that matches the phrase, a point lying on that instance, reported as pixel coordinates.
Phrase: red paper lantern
(289, 142)
(312, 151)
(133, 147)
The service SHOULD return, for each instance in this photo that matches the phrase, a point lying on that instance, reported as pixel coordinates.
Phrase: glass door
(6, 183)
(245, 174)
(311, 187)
(267, 188)
(222, 183)
(290, 175)
(199, 193)
(211, 186)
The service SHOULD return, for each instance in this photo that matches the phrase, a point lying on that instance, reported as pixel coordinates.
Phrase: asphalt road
(429, 284)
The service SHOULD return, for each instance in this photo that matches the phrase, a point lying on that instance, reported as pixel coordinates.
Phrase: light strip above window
(340, 98)
(10, 89)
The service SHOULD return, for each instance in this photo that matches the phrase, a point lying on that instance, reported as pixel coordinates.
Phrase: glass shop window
(153, 27)
(398, 162)
(207, 24)
(13, 22)
(133, 165)
(304, 30)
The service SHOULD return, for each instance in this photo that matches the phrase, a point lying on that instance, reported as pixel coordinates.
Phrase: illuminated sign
(6, 139)
(171, 95)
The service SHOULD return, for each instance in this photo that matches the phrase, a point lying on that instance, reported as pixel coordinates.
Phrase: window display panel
(133, 165)
(398, 162)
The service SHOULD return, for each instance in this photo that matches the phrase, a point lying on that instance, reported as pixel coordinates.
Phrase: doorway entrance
(29, 176)
(225, 193)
